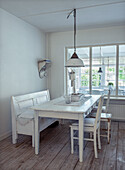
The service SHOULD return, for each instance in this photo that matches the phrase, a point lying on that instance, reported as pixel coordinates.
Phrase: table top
(55, 106)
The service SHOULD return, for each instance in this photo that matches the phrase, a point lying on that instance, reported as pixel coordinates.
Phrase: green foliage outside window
(122, 73)
(85, 79)
(111, 69)
(95, 78)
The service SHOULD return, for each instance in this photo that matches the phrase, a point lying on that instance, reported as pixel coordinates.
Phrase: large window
(104, 58)
(89, 79)
(81, 74)
(121, 71)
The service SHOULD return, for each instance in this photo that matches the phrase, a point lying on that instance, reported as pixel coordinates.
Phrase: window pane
(81, 74)
(121, 78)
(104, 58)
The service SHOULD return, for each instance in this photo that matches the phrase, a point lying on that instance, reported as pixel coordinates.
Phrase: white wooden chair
(106, 107)
(90, 126)
(105, 117)
(23, 116)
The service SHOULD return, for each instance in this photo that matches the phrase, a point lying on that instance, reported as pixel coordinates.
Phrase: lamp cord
(74, 14)
(74, 30)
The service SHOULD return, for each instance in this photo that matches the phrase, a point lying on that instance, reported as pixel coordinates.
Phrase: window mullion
(117, 68)
(90, 71)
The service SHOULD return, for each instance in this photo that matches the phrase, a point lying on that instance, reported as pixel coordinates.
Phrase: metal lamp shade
(74, 61)
(100, 70)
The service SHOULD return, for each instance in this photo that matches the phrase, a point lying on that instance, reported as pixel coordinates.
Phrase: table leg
(36, 134)
(81, 137)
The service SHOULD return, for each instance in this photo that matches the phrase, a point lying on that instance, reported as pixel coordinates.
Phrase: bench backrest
(23, 102)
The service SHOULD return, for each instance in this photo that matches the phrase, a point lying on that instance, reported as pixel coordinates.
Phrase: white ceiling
(50, 15)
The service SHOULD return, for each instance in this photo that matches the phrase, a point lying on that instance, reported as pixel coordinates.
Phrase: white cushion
(103, 115)
(89, 121)
(28, 114)
(106, 115)
(103, 108)
(25, 103)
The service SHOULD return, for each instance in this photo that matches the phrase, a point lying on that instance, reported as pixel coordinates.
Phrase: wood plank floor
(55, 152)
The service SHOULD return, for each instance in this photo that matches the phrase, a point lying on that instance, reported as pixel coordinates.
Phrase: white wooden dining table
(57, 108)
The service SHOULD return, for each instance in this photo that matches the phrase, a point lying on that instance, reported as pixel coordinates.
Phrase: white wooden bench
(23, 116)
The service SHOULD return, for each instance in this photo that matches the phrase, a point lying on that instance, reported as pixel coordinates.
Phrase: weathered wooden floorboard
(53, 149)
(109, 161)
(122, 126)
(103, 154)
(70, 162)
(55, 152)
(121, 147)
(8, 149)
(60, 158)
(50, 138)
(21, 147)
(13, 152)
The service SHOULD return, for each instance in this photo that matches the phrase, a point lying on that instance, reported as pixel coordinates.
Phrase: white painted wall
(20, 46)
(58, 41)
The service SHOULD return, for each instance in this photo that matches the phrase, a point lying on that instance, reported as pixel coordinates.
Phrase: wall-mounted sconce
(43, 65)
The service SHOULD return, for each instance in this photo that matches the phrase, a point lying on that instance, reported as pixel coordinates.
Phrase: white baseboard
(5, 135)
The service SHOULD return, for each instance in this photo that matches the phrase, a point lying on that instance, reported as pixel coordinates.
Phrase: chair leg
(14, 137)
(95, 145)
(99, 143)
(33, 141)
(108, 135)
(90, 135)
(33, 134)
(72, 142)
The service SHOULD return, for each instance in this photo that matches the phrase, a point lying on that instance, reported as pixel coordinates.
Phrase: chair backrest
(99, 110)
(108, 99)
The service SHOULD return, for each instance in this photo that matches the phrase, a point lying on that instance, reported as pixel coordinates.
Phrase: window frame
(90, 64)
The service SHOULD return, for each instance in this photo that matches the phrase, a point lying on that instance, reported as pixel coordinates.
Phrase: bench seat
(29, 114)
(23, 115)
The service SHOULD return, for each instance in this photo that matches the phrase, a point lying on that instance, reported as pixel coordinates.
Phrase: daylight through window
(102, 65)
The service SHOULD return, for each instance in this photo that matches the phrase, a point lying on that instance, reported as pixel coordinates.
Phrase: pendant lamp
(74, 61)
(100, 69)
